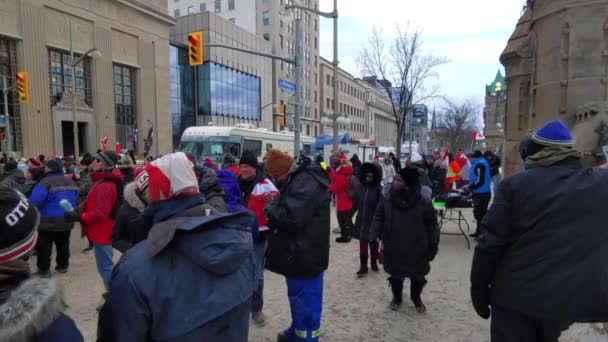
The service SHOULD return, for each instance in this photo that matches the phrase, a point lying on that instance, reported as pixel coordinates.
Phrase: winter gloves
(482, 273)
(481, 301)
(72, 216)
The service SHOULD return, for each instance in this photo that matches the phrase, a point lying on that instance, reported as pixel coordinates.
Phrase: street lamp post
(93, 52)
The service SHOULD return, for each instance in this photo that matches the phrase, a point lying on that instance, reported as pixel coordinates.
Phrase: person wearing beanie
(200, 258)
(418, 162)
(31, 308)
(82, 176)
(480, 185)
(257, 191)
(13, 177)
(53, 188)
(229, 163)
(298, 246)
(128, 229)
(540, 264)
(341, 181)
(98, 212)
(407, 223)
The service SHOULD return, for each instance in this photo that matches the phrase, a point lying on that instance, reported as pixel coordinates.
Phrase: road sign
(287, 85)
(2, 120)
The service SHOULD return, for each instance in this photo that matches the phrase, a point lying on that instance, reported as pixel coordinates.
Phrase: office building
(230, 88)
(243, 13)
(117, 95)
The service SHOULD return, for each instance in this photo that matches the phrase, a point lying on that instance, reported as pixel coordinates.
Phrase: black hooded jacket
(544, 244)
(299, 243)
(366, 199)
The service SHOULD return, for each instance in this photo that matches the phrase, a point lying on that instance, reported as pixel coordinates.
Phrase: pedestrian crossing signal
(23, 88)
(195, 48)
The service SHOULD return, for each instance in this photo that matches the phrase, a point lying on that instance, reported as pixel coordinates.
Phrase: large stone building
(556, 68)
(123, 92)
(494, 112)
(242, 12)
(230, 88)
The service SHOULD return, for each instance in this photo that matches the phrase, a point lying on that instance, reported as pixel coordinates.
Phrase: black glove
(433, 250)
(481, 301)
(72, 216)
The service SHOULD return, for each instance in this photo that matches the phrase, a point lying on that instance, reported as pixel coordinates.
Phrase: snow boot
(363, 269)
(415, 295)
(374, 265)
(397, 289)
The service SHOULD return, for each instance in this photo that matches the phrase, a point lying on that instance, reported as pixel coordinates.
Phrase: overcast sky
(470, 33)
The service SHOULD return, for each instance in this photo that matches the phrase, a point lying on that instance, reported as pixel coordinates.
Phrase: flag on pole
(118, 149)
(104, 143)
(134, 137)
(478, 136)
(149, 140)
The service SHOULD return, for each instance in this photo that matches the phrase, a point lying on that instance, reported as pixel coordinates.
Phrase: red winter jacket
(339, 186)
(99, 204)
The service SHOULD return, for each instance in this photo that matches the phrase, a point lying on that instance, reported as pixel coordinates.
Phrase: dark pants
(480, 206)
(416, 285)
(345, 220)
(364, 245)
(509, 326)
(44, 248)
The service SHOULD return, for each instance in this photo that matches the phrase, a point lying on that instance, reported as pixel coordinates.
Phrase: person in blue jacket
(54, 229)
(31, 308)
(479, 184)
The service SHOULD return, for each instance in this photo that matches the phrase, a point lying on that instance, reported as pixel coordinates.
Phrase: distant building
(240, 12)
(420, 130)
(494, 112)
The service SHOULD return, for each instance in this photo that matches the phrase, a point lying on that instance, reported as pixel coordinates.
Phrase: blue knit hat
(553, 134)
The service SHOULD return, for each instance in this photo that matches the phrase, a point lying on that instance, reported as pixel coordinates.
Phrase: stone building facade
(123, 92)
(494, 112)
(556, 64)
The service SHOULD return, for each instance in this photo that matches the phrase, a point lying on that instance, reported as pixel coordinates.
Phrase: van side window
(254, 146)
(268, 147)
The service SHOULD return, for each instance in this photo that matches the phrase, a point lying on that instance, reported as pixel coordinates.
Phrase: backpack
(120, 198)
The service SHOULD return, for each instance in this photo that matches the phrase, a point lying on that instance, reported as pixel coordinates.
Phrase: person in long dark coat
(356, 163)
(408, 225)
(367, 194)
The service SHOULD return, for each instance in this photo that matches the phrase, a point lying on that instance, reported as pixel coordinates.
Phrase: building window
(316, 24)
(266, 18)
(327, 105)
(218, 6)
(281, 41)
(315, 96)
(190, 9)
(266, 1)
(316, 43)
(60, 73)
(308, 130)
(176, 13)
(231, 5)
(203, 7)
(232, 20)
(124, 103)
(327, 79)
(267, 36)
(8, 69)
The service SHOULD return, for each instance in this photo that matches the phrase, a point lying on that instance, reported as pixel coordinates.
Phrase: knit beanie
(553, 134)
(141, 180)
(35, 162)
(410, 177)
(109, 158)
(170, 176)
(248, 158)
(277, 163)
(55, 165)
(19, 221)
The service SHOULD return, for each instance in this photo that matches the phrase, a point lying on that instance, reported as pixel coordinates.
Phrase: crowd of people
(202, 233)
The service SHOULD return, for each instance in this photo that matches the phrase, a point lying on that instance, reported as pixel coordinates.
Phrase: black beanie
(410, 177)
(19, 221)
(248, 158)
(109, 158)
(10, 165)
(54, 165)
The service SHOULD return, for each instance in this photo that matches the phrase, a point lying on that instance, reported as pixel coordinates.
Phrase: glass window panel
(118, 99)
(126, 78)
(127, 100)
(126, 91)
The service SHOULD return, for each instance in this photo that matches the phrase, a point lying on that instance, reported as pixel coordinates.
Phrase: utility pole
(299, 88)
(336, 94)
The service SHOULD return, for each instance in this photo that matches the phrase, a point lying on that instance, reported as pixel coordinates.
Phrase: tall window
(60, 74)
(203, 7)
(267, 36)
(266, 18)
(176, 13)
(124, 103)
(8, 69)
(190, 9)
(231, 5)
(218, 6)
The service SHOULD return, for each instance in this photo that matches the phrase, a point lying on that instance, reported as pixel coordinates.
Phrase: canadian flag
(478, 136)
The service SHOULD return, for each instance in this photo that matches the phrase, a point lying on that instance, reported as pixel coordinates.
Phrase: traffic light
(195, 48)
(23, 88)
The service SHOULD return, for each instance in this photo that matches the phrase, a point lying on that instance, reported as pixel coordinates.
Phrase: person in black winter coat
(129, 229)
(367, 194)
(356, 163)
(14, 177)
(410, 235)
(540, 264)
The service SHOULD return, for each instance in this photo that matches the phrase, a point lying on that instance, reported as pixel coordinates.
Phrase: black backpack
(120, 197)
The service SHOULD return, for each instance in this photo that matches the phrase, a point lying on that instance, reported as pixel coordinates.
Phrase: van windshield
(212, 147)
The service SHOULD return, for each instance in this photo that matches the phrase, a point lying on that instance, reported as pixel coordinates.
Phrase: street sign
(287, 85)
(2, 120)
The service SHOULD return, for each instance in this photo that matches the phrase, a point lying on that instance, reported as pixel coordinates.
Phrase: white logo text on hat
(16, 214)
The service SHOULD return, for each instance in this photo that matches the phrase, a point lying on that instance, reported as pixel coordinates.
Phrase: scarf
(12, 273)
(551, 155)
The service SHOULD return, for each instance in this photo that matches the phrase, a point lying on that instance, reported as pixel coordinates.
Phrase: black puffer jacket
(129, 228)
(210, 189)
(299, 244)
(410, 233)
(367, 197)
(544, 244)
(15, 179)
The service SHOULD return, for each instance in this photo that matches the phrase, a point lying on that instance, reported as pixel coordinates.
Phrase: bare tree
(456, 124)
(405, 65)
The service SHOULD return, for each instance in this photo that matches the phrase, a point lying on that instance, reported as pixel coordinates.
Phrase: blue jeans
(259, 252)
(306, 303)
(103, 259)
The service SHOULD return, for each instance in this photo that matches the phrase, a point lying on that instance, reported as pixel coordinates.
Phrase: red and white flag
(478, 136)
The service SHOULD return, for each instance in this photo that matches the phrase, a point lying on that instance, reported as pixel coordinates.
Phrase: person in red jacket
(97, 214)
(340, 182)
